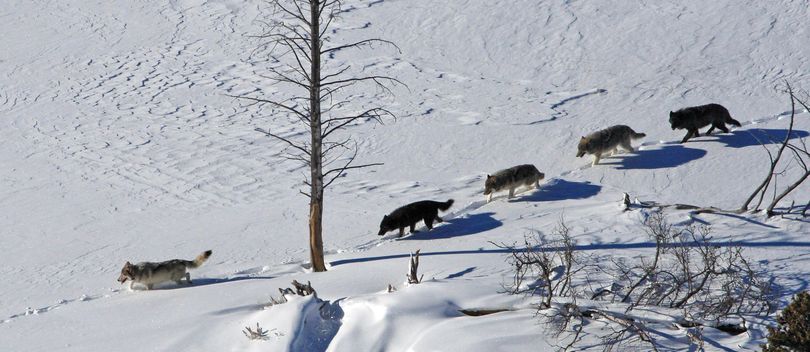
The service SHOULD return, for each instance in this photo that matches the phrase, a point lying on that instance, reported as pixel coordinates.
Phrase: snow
(120, 143)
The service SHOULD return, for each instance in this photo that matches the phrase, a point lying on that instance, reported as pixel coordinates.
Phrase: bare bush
(707, 281)
(711, 284)
(549, 263)
(258, 334)
(298, 289)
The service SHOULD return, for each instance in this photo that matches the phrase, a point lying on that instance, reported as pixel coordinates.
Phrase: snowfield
(120, 142)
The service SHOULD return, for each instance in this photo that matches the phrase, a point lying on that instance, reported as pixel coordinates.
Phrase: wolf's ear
(385, 217)
(128, 263)
(488, 177)
(582, 138)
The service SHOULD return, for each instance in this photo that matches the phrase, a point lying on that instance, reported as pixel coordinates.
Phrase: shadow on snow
(469, 224)
(756, 136)
(668, 156)
(559, 189)
(589, 247)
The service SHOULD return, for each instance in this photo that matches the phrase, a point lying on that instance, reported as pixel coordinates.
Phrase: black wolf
(410, 214)
(693, 118)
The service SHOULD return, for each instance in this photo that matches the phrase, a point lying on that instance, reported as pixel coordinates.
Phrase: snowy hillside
(119, 142)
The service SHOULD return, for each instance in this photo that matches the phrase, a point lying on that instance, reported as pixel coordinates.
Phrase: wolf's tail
(635, 135)
(199, 260)
(734, 122)
(446, 205)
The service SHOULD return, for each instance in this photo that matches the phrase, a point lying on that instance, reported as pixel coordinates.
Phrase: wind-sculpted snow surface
(121, 142)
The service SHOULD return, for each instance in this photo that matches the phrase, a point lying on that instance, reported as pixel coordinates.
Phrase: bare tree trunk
(300, 37)
(316, 162)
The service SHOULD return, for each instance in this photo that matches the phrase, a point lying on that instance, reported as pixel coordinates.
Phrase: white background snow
(119, 142)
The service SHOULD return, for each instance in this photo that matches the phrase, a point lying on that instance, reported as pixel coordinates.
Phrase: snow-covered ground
(119, 142)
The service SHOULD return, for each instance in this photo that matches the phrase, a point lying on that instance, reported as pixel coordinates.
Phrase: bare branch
(273, 103)
(360, 44)
(285, 140)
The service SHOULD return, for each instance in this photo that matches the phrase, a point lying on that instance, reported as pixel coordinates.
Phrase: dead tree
(413, 269)
(800, 155)
(314, 97)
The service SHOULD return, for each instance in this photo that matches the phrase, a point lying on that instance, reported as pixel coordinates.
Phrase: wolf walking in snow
(149, 273)
(696, 117)
(409, 215)
(607, 141)
(512, 178)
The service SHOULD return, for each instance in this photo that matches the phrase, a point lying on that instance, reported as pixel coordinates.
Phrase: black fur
(696, 117)
(410, 214)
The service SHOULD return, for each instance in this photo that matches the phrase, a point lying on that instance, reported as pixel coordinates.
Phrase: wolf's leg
(130, 285)
(696, 133)
(489, 197)
(511, 192)
(596, 158)
(413, 228)
(627, 146)
(709, 132)
(188, 278)
(438, 219)
(401, 231)
(429, 223)
(722, 127)
(687, 136)
(149, 286)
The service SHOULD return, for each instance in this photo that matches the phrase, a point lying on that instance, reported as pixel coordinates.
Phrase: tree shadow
(559, 189)
(757, 136)
(743, 218)
(668, 156)
(587, 247)
(469, 224)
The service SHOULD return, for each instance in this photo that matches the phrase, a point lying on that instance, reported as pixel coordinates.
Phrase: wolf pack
(600, 143)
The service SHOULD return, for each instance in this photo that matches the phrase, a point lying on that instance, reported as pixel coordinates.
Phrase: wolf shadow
(559, 189)
(469, 224)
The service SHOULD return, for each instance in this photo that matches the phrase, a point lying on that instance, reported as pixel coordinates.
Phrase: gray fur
(693, 118)
(151, 273)
(607, 141)
(511, 178)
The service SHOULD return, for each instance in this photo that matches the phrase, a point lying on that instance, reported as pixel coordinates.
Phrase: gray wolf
(149, 273)
(511, 178)
(695, 117)
(409, 215)
(607, 141)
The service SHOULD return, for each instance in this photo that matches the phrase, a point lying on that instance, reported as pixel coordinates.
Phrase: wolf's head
(582, 147)
(489, 185)
(126, 273)
(675, 120)
(385, 225)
